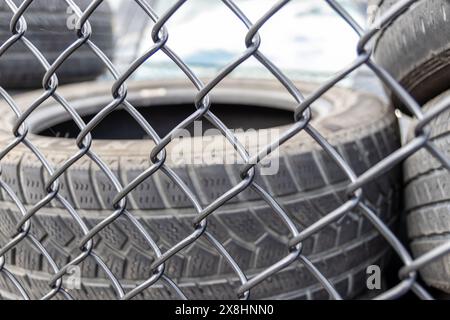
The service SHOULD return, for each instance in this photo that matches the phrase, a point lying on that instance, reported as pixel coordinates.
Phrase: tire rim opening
(163, 118)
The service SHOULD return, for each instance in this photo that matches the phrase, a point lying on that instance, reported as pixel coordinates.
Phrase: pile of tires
(50, 27)
(415, 49)
(307, 184)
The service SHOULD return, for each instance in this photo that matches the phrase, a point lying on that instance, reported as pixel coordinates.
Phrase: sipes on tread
(428, 200)
(293, 282)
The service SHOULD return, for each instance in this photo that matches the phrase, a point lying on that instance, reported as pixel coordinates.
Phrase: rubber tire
(415, 48)
(362, 128)
(428, 201)
(47, 30)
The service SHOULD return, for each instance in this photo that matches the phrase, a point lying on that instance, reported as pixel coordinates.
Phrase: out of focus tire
(47, 23)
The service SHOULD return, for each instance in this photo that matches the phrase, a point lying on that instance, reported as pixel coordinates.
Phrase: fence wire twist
(18, 27)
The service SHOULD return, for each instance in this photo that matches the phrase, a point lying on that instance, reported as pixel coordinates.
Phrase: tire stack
(415, 49)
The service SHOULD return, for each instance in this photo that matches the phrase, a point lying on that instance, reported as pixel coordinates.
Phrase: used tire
(427, 198)
(308, 185)
(47, 23)
(415, 48)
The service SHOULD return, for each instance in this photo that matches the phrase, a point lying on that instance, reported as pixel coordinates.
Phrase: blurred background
(306, 39)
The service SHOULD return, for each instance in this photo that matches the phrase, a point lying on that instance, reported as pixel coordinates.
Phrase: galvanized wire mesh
(408, 274)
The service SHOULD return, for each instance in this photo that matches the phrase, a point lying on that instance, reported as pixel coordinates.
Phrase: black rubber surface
(427, 197)
(308, 185)
(415, 48)
(47, 22)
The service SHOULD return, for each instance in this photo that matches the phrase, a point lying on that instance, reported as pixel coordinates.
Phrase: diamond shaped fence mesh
(293, 261)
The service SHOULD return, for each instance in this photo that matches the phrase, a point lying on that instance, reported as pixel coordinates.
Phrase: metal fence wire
(408, 273)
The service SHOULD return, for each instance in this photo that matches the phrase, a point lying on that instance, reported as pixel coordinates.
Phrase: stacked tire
(427, 196)
(308, 185)
(415, 49)
(50, 27)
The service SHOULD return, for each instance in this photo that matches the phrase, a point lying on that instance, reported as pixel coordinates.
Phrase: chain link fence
(408, 273)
